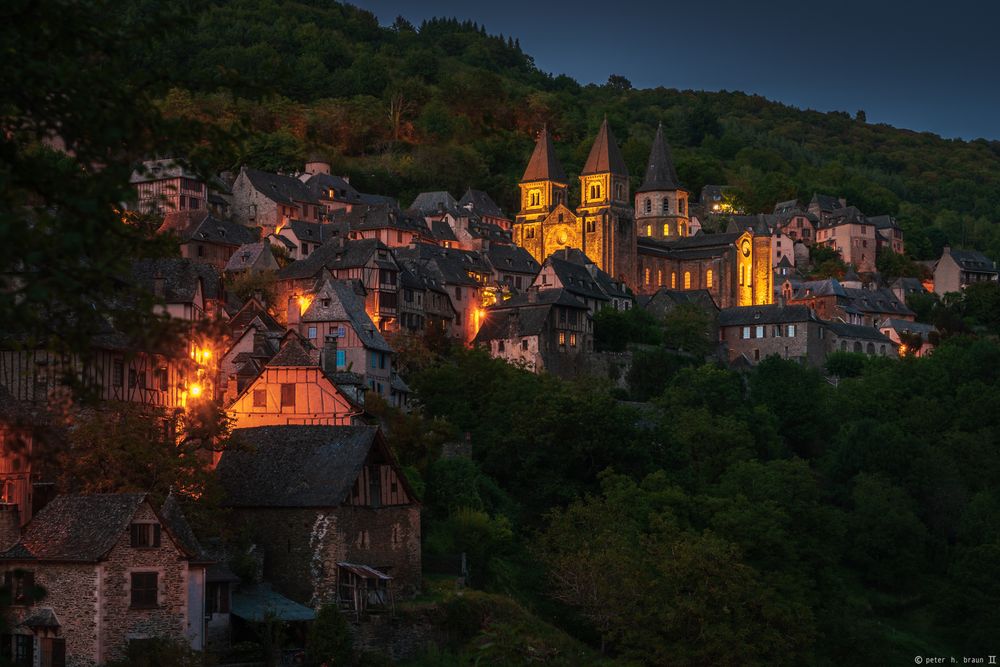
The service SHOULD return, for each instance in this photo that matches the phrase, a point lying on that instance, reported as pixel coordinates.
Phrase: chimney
(159, 286)
(328, 357)
(533, 294)
(317, 167)
(294, 311)
(10, 525)
(843, 202)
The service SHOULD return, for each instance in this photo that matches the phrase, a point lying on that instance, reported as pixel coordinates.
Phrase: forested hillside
(447, 105)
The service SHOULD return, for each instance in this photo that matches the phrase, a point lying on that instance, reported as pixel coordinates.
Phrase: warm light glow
(902, 350)
(304, 302)
(195, 390)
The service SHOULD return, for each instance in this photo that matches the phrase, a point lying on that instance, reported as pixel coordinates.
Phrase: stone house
(864, 339)
(206, 239)
(189, 290)
(317, 497)
(753, 333)
(114, 574)
(851, 234)
(912, 338)
(368, 261)
(337, 309)
(571, 270)
(482, 205)
(957, 269)
(797, 225)
(663, 301)
(270, 201)
(548, 330)
(513, 267)
(831, 299)
(385, 223)
(300, 237)
(889, 235)
(252, 257)
(425, 304)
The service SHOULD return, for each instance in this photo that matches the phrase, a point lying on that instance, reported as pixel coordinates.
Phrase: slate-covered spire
(605, 155)
(544, 165)
(660, 172)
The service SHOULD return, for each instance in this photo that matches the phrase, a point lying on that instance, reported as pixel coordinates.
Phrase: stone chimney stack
(533, 294)
(294, 311)
(328, 357)
(10, 525)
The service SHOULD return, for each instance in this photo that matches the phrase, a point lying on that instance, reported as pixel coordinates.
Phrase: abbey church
(646, 242)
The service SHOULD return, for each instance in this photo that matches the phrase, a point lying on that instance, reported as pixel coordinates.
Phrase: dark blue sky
(920, 65)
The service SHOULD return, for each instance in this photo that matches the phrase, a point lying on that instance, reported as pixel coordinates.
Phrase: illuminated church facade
(644, 241)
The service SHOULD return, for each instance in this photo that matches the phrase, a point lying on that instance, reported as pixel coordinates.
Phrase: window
(619, 191)
(381, 360)
(648, 205)
(524, 343)
(162, 379)
(399, 237)
(745, 333)
(312, 333)
(458, 294)
(288, 395)
(500, 346)
(21, 585)
(144, 590)
(144, 535)
(687, 280)
(592, 224)
(340, 332)
(136, 379)
(681, 205)
(373, 359)
(201, 251)
(759, 333)
(260, 398)
(708, 278)
(18, 650)
(647, 276)
(791, 331)
(666, 229)
(529, 233)
(572, 339)
(534, 198)
(562, 337)
(341, 358)
(673, 280)
(666, 205)
(649, 230)
(659, 277)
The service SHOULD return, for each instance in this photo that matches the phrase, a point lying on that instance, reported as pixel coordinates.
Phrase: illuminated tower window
(666, 229)
(595, 191)
(535, 198)
(673, 280)
(708, 278)
(659, 277)
(649, 230)
(647, 276)
(687, 280)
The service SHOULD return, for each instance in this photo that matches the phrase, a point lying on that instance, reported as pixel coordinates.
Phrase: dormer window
(144, 535)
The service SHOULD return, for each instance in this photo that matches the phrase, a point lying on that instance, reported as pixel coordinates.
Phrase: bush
(329, 638)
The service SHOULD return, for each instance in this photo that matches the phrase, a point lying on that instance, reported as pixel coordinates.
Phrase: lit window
(562, 337)
(659, 277)
(687, 280)
(791, 331)
(647, 276)
(666, 229)
(572, 340)
(745, 333)
(673, 280)
(760, 331)
(708, 278)
(649, 230)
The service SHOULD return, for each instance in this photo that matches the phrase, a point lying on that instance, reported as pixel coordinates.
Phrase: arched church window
(649, 205)
(666, 229)
(659, 277)
(687, 280)
(647, 276)
(535, 198)
(649, 230)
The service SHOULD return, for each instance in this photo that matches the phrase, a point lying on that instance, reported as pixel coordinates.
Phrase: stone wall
(119, 622)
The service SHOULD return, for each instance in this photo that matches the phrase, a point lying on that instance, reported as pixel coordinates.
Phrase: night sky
(918, 65)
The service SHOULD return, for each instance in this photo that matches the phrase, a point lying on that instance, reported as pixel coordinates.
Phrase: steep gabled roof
(77, 528)
(972, 260)
(433, 202)
(194, 226)
(480, 203)
(512, 258)
(279, 188)
(247, 255)
(337, 301)
(295, 352)
(335, 253)
(660, 171)
(251, 310)
(180, 276)
(544, 165)
(294, 466)
(605, 156)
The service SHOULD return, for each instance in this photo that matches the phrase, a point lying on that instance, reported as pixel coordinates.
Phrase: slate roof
(252, 310)
(699, 246)
(313, 232)
(972, 260)
(660, 171)
(528, 312)
(449, 266)
(770, 314)
(512, 259)
(247, 255)
(544, 165)
(338, 301)
(844, 330)
(903, 326)
(294, 466)
(295, 351)
(699, 297)
(336, 253)
(172, 515)
(792, 205)
(480, 203)
(442, 231)
(195, 226)
(909, 285)
(826, 202)
(383, 216)
(279, 188)
(884, 222)
(434, 202)
(76, 528)
(159, 170)
(180, 278)
(320, 185)
(605, 156)
(593, 277)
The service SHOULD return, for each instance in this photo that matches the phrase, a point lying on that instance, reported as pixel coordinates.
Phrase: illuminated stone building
(648, 246)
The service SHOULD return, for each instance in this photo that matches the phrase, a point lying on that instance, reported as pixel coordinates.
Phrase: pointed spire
(605, 155)
(544, 165)
(660, 172)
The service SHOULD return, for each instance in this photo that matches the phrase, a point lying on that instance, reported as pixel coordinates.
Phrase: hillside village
(313, 286)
